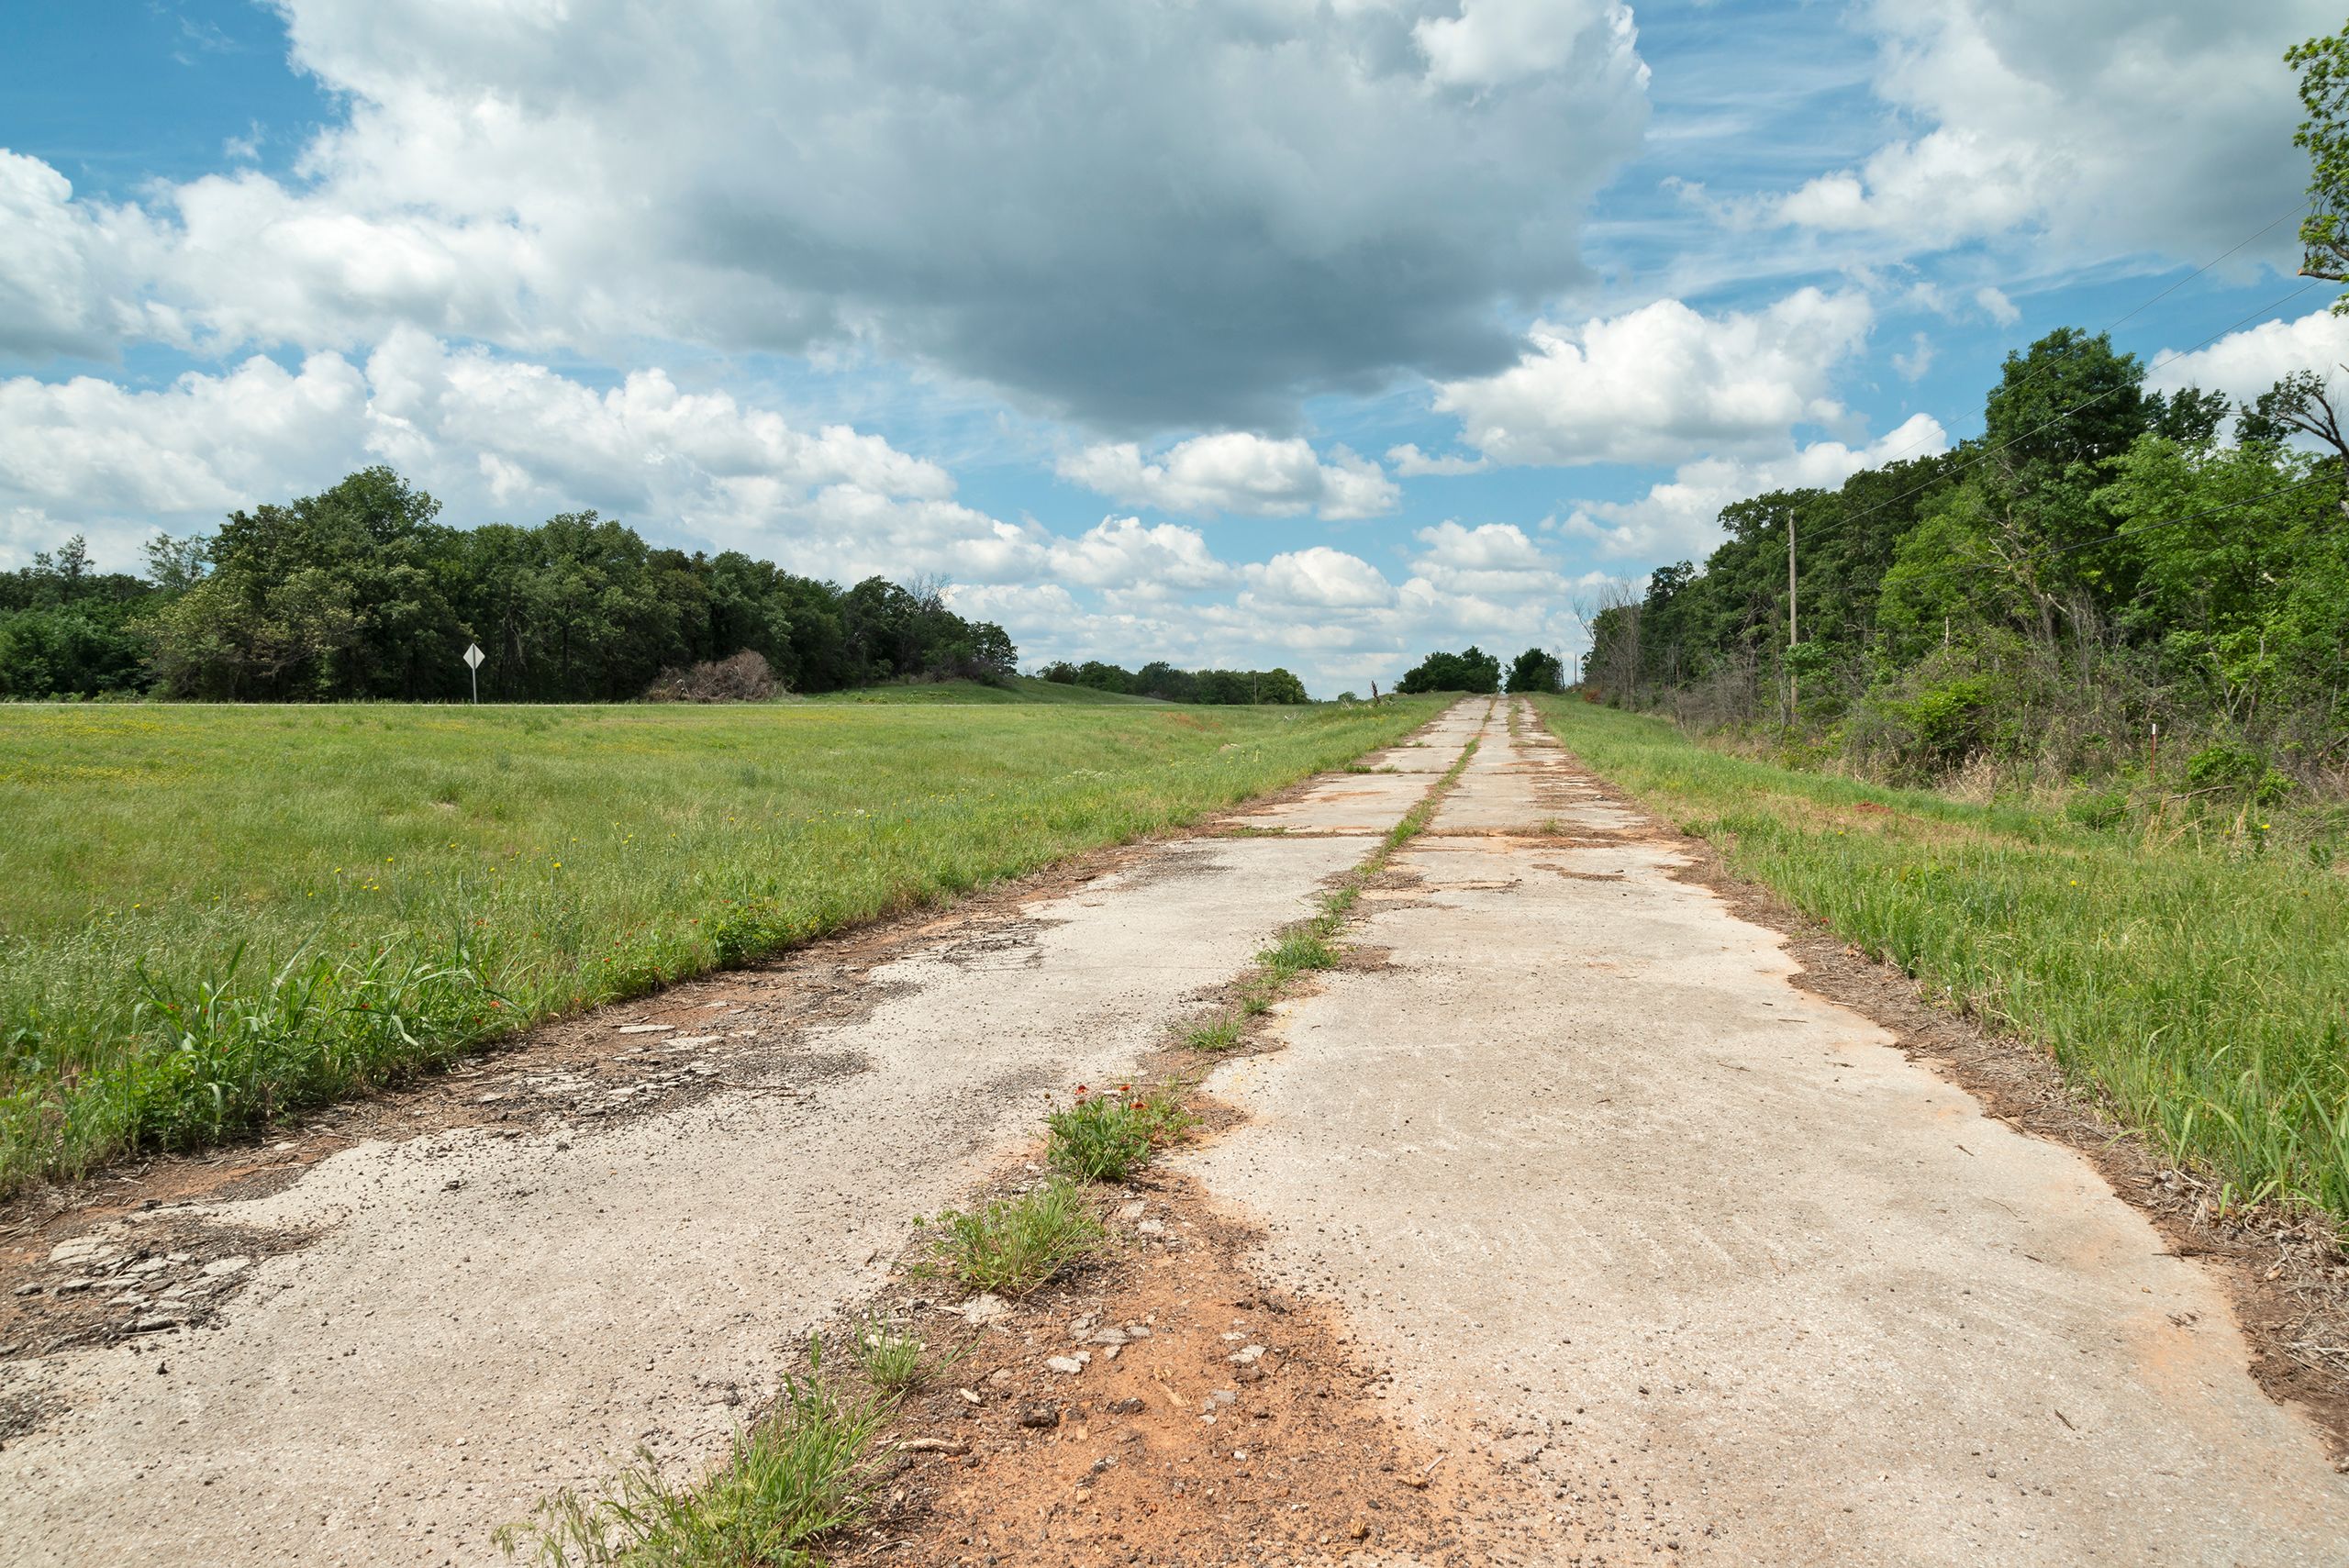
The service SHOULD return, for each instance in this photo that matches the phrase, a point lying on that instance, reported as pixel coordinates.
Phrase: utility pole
(1794, 688)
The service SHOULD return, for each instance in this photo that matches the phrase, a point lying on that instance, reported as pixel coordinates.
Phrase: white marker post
(473, 665)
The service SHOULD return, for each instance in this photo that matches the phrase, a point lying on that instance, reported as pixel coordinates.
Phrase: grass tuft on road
(1104, 1137)
(805, 1471)
(214, 916)
(1307, 946)
(1012, 1245)
(2202, 988)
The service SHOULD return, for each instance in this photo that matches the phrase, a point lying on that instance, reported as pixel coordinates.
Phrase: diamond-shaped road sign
(472, 655)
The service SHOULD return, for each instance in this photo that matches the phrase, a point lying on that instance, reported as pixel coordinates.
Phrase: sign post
(472, 667)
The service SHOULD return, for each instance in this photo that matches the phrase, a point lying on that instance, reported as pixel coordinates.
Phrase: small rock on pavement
(1131, 1212)
(1069, 1365)
(1247, 1354)
(1043, 1413)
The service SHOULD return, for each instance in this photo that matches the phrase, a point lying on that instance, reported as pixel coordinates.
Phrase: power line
(2212, 262)
(1986, 456)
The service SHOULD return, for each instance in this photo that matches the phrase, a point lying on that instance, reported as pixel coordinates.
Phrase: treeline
(1474, 670)
(2103, 559)
(1161, 680)
(360, 592)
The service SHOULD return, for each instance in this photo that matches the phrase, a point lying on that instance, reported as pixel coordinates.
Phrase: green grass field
(213, 916)
(2200, 980)
(1019, 689)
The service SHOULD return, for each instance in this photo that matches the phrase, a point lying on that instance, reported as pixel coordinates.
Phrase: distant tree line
(1474, 670)
(360, 592)
(1161, 680)
(2102, 558)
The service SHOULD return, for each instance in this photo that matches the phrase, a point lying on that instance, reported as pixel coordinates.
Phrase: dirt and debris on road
(1164, 1408)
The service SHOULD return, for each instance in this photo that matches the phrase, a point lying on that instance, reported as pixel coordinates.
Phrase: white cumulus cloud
(2244, 364)
(494, 438)
(1237, 473)
(1142, 215)
(1679, 516)
(2110, 127)
(1664, 381)
(1318, 578)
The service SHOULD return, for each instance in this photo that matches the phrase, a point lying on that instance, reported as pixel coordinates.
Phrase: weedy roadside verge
(2202, 992)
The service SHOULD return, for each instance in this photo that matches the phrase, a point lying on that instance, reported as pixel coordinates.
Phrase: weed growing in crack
(804, 1472)
(1013, 1245)
(1102, 1138)
(1216, 1035)
(1296, 953)
(1311, 945)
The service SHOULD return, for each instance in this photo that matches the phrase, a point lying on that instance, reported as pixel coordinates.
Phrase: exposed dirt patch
(1211, 1421)
(2287, 1275)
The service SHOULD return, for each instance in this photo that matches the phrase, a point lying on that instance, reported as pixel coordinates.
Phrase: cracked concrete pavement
(1708, 1258)
(451, 1326)
(1697, 1256)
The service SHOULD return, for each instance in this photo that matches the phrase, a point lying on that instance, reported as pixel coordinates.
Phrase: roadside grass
(1011, 1246)
(891, 1360)
(213, 918)
(2201, 987)
(1308, 945)
(806, 1470)
(1019, 689)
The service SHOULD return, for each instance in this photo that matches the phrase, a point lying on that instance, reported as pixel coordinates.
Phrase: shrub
(745, 677)
(2097, 809)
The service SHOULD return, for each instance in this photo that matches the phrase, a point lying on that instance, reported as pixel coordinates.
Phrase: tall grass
(2202, 984)
(213, 916)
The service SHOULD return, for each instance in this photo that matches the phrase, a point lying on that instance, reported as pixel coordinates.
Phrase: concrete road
(1703, 1257)
(438, 1329)
(1710, 1258)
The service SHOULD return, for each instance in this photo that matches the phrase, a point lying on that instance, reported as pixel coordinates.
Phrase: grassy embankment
(2199, 982)
(210, 916)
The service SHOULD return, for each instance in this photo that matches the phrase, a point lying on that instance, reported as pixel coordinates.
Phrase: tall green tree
(2323, 64)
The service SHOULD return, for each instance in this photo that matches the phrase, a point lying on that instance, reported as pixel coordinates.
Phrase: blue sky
(1237, 331)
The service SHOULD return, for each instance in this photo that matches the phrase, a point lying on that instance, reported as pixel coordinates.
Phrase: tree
(2068, 399)
(2323, 63)
(2301, 402)
(1537, 671)
(1473, 670)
